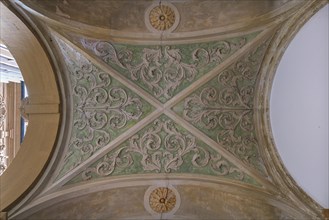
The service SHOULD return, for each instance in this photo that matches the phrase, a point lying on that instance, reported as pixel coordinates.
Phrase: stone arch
(43, 109)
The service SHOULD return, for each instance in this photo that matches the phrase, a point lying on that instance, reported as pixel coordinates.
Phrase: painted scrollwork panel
(163, 71)
(163, 147)
(223, 108)
(102, 108)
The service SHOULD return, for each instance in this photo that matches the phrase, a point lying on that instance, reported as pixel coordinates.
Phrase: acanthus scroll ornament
(98, 108)
(224, 109)
(163, 71)
(163, 147)
(102, 108)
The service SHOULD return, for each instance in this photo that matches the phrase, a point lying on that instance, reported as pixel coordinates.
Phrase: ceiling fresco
(161, 122)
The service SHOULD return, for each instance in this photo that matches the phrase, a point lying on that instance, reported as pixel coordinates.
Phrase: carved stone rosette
(162, 17)
(162, 201)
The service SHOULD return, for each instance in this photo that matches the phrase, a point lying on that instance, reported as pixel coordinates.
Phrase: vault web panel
(165, 70)
(103, 108)
(223, 108)
(163, 147)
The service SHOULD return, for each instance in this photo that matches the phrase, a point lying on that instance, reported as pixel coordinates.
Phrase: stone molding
(42, 131)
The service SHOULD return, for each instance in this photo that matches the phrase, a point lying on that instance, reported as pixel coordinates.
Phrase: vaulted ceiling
(164, 110)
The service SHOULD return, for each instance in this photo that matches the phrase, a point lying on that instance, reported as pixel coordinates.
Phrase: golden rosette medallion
(162, 200)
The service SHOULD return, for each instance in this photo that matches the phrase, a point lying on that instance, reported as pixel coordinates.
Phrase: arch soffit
(43, 109)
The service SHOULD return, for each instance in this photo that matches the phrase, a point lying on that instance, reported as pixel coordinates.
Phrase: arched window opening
(299, 107)
(12, 92)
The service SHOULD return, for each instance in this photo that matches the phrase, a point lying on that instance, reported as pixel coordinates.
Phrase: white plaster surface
(299, 107)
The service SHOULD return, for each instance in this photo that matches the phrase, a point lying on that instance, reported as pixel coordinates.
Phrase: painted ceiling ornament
(162, 17)
(162, 200)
